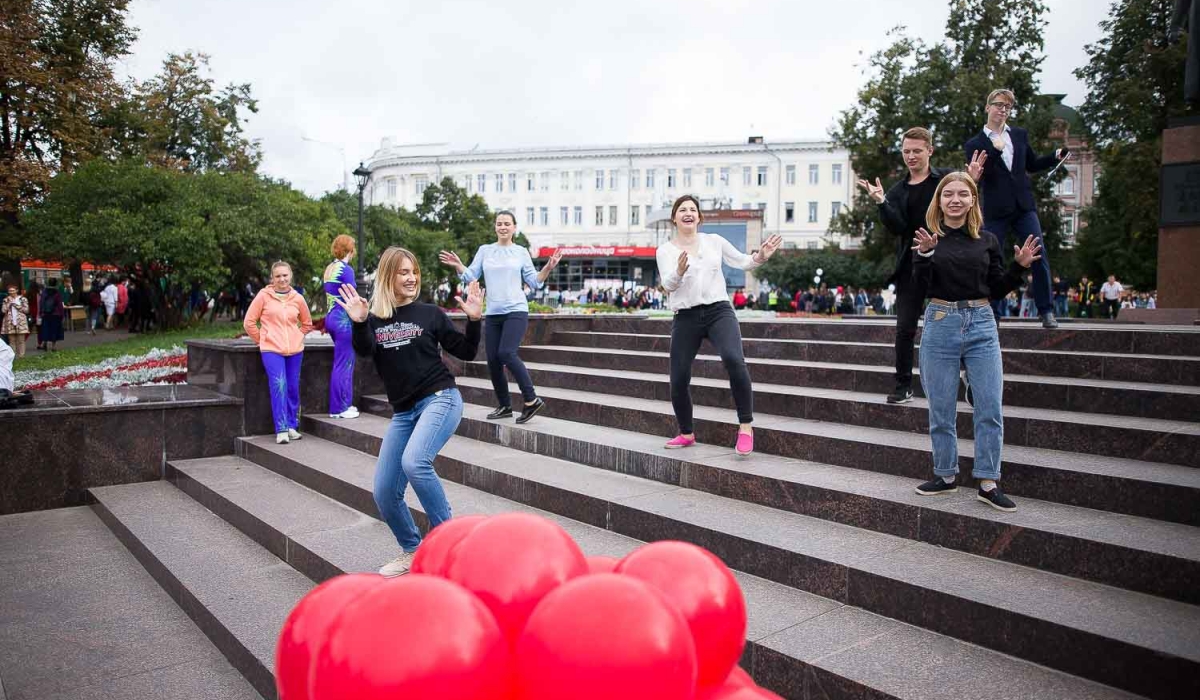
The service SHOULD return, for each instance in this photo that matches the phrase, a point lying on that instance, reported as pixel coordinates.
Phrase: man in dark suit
(903, 211)
(1007, 192)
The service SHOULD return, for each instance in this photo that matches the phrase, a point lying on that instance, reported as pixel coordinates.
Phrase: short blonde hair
(919, 133)
(383, 298)
(342, 246)
(280, 263)
(934, 217)
(1001, 92)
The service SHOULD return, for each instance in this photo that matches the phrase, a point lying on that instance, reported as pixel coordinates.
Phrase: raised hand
(766, 250)
(875, 191)
(356, 307)
(472, 304)
(448, 257)
(925, 241)
(553, 261)
(682, 265)
(975, 167)
(1026, 254)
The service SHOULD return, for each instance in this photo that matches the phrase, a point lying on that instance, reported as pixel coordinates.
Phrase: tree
(942, 86)
(56, 83)
(1135, 86)
(793, 271)
(382, 227)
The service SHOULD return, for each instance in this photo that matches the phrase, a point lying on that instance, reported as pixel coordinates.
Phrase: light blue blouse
(503, 268)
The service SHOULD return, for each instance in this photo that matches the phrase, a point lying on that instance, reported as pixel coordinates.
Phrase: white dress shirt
(703, 283)
(1007, 154)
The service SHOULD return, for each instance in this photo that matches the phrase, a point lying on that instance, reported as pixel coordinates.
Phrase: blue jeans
(1013, 230)
(409, 447)
(954, 338)
(1060, 306)
(283, 378)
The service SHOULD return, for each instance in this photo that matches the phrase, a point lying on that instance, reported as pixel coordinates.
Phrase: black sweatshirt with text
(407, 350)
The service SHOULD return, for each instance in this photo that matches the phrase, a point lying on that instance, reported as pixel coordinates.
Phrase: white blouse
(703, 283)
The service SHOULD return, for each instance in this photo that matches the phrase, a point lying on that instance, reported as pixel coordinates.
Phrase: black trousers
(908, 312)
(502, 336)
(1111, 308)
(719, 324)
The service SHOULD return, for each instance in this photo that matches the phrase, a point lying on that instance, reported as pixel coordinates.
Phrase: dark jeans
(908, 312)
(718, 323)
(502, 337)
(1013, 230)
(1111, 308)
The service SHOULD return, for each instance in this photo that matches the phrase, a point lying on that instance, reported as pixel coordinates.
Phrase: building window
(724, 176)
(422, 184)
(649, 178)
(578, 179)
(709, 178)
(762, 206)
(391, 188)
(545, 182)
(687, 178)
(745, 205)
(648, 206)
(789, 212)
(565, 177)
(837, 173)
(599, 216)
(670, 178)
(579, 216)
(814, 245)
(529, 216)
(746, 172)
(612, 216)
(1067, 186)
(1095, 183)
(791, 174)
(812, 212)
(564, 215)
(599, 179)
(633, 216)
(1068, 223)
(835, 209)
(512, 182)
(612, 179)
(482, 184)
(814, 174)
(762, 176)
(545, 212)
(635, 177)
(499, 178)
(468, 183)
(529, 182)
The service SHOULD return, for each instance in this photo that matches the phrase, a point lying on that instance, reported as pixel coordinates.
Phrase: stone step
(795, 640)
(1147, 489)
(1132, 399)
(1153, 369)
(237, 592)
(1097, 338)
(1148, 439)
(1134, 641)
(1140, 554)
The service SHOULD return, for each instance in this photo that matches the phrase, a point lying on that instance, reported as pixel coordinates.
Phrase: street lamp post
(361, 177)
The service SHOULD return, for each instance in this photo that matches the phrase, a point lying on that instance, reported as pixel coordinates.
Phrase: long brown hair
(383, 299)
(934, 218)
(679, 202)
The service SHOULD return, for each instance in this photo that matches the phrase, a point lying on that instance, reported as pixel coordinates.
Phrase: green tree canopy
(793, 271)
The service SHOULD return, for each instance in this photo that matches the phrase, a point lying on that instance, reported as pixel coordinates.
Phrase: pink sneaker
(680, 441)
(745, 443)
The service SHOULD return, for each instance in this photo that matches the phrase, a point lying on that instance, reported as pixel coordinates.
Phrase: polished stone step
(1148, 489)
(237, 592)
(797, 642)
(1138, 642)
(1147, 439)
(1140, 554)
(1152, 369)
(1166, 401)
(1095, 338)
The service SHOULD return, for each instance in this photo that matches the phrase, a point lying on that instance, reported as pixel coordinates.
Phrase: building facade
(611, 196)
(1079, 185)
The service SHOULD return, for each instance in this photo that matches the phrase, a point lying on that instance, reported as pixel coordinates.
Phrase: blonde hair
(919, 133)
(342, 246)
(934, 217)
(1001, 92)
(281, 263)
(383, 299)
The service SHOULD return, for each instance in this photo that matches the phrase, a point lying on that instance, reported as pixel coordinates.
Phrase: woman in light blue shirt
(505, 267)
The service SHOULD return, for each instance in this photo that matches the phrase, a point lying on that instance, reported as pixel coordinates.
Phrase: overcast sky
(547, 72)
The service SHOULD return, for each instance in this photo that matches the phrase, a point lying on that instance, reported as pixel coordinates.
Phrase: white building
(610, 195)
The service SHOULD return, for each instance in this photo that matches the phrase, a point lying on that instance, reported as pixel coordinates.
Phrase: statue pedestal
(1179, 221)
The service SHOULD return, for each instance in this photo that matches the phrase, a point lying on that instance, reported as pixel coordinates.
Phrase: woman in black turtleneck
(959, 268)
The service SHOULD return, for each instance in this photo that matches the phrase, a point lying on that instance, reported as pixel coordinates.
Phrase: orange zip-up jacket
(278, 325)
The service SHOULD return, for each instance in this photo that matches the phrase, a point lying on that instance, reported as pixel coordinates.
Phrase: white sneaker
(398, 566)
(351, 412)
(294, 434)
(281, 439)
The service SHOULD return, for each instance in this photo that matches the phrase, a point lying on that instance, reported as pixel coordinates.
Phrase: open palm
(472, 303)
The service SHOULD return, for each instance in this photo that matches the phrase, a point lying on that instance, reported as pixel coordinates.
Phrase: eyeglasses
(1001, 106)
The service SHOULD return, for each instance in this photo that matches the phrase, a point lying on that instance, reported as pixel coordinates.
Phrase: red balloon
(736, 680)
(749, 692)
(434, 554)
(705, 591)
(602, 565)
(605, 636)
(307, 627)
(415, 636)
(511, 562)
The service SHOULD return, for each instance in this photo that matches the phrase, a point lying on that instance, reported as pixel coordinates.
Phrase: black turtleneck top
(963, 268)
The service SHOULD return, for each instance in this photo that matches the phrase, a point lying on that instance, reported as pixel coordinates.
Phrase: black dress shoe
(531, 410)
(1048, 320)
(500, 412)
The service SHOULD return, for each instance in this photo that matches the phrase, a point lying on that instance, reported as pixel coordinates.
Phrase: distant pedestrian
(15, 326)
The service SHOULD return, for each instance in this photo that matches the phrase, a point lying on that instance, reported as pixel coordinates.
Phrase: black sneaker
(997, 500)
(531, 410)
(902, 394)
(500, 412)
(936, 487)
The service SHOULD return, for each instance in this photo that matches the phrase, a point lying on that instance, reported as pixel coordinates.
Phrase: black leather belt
(965, 304)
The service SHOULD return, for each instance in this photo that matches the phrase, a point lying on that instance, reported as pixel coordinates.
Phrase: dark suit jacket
(894, 212)
(1003, 191)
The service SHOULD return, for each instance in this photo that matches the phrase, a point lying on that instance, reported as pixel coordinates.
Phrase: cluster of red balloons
(508, 608)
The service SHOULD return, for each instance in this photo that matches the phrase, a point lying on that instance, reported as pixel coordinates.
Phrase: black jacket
(894, 212)
(1003, 191)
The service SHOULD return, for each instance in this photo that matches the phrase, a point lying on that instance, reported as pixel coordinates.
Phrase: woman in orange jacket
(277, 321)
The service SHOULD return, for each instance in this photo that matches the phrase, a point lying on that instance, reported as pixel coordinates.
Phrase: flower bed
(154, 368)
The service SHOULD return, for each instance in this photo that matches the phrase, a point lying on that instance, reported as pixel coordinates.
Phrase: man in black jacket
(1007, 192)
(903, 211)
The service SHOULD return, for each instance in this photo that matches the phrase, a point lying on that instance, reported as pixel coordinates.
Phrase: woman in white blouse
(690, 268)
